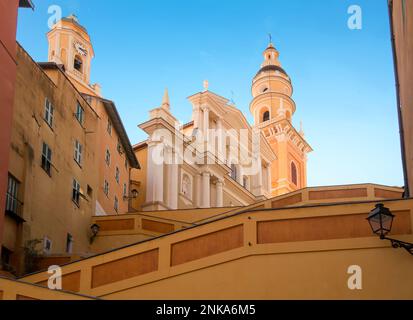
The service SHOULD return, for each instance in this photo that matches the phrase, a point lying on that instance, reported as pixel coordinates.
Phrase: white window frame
(191, 185)
(76, 187)
(80, 112)
(78, 152)
(49, 113)
(47, 155)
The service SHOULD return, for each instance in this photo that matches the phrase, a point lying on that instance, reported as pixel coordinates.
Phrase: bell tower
(70, 46)
(273, 108)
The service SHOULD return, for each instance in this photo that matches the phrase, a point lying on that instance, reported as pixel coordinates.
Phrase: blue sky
(343, 79)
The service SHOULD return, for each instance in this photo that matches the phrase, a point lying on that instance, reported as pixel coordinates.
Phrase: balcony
(14, 208)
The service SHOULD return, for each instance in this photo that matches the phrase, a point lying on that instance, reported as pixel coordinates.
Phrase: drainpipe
(399, 109)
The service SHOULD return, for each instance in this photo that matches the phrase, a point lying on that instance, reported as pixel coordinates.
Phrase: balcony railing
(14, 206)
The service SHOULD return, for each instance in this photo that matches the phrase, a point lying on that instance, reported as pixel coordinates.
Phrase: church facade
(219, 159)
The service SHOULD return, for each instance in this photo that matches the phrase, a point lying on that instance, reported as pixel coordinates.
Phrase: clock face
(80, 49)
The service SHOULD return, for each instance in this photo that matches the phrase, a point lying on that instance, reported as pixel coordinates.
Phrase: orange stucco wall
(290, 253)
(403, 32)
(109, 141)
(17, 290)
(8, 23)
(47, 206)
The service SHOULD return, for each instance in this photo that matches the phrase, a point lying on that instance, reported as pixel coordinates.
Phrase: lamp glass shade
(381, 220)
(95, 229)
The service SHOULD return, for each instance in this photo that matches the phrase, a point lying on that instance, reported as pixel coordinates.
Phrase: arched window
(186, 186)
(234, 172)
(78, 63)
(266, 116)
(294, 174)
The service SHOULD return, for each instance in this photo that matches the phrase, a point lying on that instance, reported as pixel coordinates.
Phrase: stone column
(220, 193)
(240, 178)
(268, 173)
(206, 122)
(260, 175)
(257, 178)
(172, 182)
(206, 190)
(198, 190)
(196, 117)
(154, 188)
(221, 140)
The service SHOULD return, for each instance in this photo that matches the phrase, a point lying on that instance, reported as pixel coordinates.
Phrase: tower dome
(273, 108)
(271, 90)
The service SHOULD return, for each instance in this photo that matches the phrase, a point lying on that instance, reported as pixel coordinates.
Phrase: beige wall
(287, 253)
(403, 32)
(48, 208)
(107, 141)
(309, 275)
(118, 231)
(139, 177)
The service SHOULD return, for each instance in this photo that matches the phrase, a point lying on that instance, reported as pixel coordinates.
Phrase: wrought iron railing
(14, 205)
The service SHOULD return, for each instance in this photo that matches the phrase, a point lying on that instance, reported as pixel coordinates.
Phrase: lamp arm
(400, 244)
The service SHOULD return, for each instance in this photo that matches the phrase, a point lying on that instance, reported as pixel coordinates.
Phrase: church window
(186, 186)
(78, 64)
(245, 182)
(266, 116)
(234, 172)
(294, 174)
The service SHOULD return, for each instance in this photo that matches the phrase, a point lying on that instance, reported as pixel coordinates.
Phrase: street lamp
(134, 195)
(381, 222)
(95, 228)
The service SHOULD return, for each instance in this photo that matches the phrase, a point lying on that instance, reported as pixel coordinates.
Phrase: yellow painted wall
(139, 178)
(292, 253)
(106, 172)
(403, 31)
(17, 290)
(309, 275)
(47, 201)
